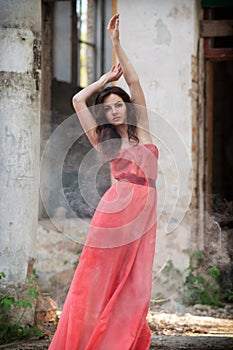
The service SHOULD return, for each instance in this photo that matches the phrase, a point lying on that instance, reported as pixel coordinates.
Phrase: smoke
(79, 197)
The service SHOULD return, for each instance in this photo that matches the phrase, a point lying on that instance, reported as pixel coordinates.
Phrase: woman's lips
(116, 119)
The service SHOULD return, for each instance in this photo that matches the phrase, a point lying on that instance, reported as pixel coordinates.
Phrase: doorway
(217, 31)
(219, 139)
(222, 133)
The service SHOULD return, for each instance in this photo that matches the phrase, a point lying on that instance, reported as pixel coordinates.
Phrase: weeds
(75, 263)
(203, 283)
(10, 331)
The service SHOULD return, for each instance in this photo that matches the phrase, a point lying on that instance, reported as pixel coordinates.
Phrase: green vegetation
(10, 331)
(75, 263)
(204, 283)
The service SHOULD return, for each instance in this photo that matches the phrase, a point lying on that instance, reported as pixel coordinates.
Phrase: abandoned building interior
(185, 61)
(76, 51)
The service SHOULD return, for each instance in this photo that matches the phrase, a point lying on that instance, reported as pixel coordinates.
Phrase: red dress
(108, 300)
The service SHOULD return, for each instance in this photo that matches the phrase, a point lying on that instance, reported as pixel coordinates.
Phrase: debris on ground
(170, 331)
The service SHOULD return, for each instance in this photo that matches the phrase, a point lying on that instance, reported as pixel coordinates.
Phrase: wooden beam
(114, 11)
(216, 3)
(114, 6)
(74, 45)
(57, 0)
(213, 28)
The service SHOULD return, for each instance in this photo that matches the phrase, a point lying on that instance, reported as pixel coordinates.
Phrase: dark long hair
(108, 136)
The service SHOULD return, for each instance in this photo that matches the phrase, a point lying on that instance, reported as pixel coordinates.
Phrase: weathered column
(20, 31)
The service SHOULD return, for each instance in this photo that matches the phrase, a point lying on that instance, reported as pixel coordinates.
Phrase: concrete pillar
(20, 31)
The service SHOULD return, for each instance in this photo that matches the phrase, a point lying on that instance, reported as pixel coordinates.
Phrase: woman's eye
(119, 105)
(106, 109)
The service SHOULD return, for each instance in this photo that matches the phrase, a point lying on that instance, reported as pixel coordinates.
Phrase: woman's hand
(113, 28)
(114, 74)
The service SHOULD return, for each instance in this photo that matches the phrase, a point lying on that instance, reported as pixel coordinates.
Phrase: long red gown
(108, 300)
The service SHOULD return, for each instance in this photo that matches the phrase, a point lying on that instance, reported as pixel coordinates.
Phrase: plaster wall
(19, 134)
(161, 37)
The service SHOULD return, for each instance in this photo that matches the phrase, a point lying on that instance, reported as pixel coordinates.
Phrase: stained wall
(20, 34)
(161, 38)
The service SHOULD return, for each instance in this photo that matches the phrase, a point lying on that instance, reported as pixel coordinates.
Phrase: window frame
(207, 32)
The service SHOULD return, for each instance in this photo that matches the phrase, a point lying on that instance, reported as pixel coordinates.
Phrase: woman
(108, 300)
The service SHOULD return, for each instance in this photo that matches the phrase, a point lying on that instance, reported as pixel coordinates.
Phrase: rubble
(46, 311)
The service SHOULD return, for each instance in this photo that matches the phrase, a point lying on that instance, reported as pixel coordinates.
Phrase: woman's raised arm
(80, 102)
(132, 80)
(129, 72)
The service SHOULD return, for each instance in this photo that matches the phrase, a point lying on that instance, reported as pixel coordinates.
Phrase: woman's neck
(122, 131)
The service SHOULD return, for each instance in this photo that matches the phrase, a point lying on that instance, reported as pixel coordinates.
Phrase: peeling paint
(182, 10)
(37, 62)
(13, 48)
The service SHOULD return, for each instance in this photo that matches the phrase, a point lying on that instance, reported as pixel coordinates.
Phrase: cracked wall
(20, 32)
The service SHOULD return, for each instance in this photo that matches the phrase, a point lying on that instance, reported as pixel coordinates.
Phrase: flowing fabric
(108, 300)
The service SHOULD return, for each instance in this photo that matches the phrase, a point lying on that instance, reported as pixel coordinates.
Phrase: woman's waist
(138, 180)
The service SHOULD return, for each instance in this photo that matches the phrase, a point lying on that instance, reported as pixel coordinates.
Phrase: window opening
(226, 15)
(217, 29)
(86, 41)
(80, 23)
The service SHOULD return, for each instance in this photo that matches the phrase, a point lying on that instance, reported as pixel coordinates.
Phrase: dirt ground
(169, 331)
(187, 331)
(191, 342)
(163, 342)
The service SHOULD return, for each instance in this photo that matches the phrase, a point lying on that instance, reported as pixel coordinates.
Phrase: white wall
(160, 37)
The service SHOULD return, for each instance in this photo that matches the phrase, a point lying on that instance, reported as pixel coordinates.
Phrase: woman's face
(115, 109)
